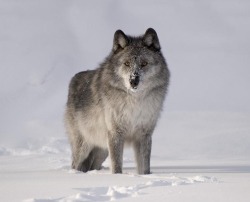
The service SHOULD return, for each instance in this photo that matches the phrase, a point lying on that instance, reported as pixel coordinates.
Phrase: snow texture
(201, 146)
(113, 193)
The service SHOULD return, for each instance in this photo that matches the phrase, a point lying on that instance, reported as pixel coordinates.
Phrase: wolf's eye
(143, 64)
(127, 64)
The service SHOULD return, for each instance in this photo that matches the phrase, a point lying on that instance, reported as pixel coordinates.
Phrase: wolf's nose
(134, 81)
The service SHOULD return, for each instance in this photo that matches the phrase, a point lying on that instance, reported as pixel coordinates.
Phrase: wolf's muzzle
(134, 80)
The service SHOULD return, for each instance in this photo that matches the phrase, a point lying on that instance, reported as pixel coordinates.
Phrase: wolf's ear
(120, 40)
(150, 39)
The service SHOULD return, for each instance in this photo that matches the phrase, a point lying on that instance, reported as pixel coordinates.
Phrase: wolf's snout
(134, 81)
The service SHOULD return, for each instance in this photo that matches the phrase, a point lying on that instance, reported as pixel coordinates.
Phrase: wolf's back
(80, 94)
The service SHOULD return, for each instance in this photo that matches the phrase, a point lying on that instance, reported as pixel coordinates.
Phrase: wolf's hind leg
(80, 152)
(99, 156)
(94, 160)
(86, 164)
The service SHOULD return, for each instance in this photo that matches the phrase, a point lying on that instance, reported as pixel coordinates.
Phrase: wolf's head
(137, 61)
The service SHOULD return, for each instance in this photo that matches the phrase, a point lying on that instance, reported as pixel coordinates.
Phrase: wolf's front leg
(142, 149)
(116, 143)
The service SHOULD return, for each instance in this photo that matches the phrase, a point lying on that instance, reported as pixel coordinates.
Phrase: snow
(201, 146)
(36, 184)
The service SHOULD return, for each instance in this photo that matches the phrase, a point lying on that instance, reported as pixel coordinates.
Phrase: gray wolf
(118, 103)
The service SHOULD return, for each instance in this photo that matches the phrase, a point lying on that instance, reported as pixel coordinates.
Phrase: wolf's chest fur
(136, 112)
(134, 115)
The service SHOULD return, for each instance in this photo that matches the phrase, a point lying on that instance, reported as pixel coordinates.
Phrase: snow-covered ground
(46, 177)
(201, 147)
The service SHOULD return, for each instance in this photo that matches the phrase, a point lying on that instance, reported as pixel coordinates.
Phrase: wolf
(118, 103)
